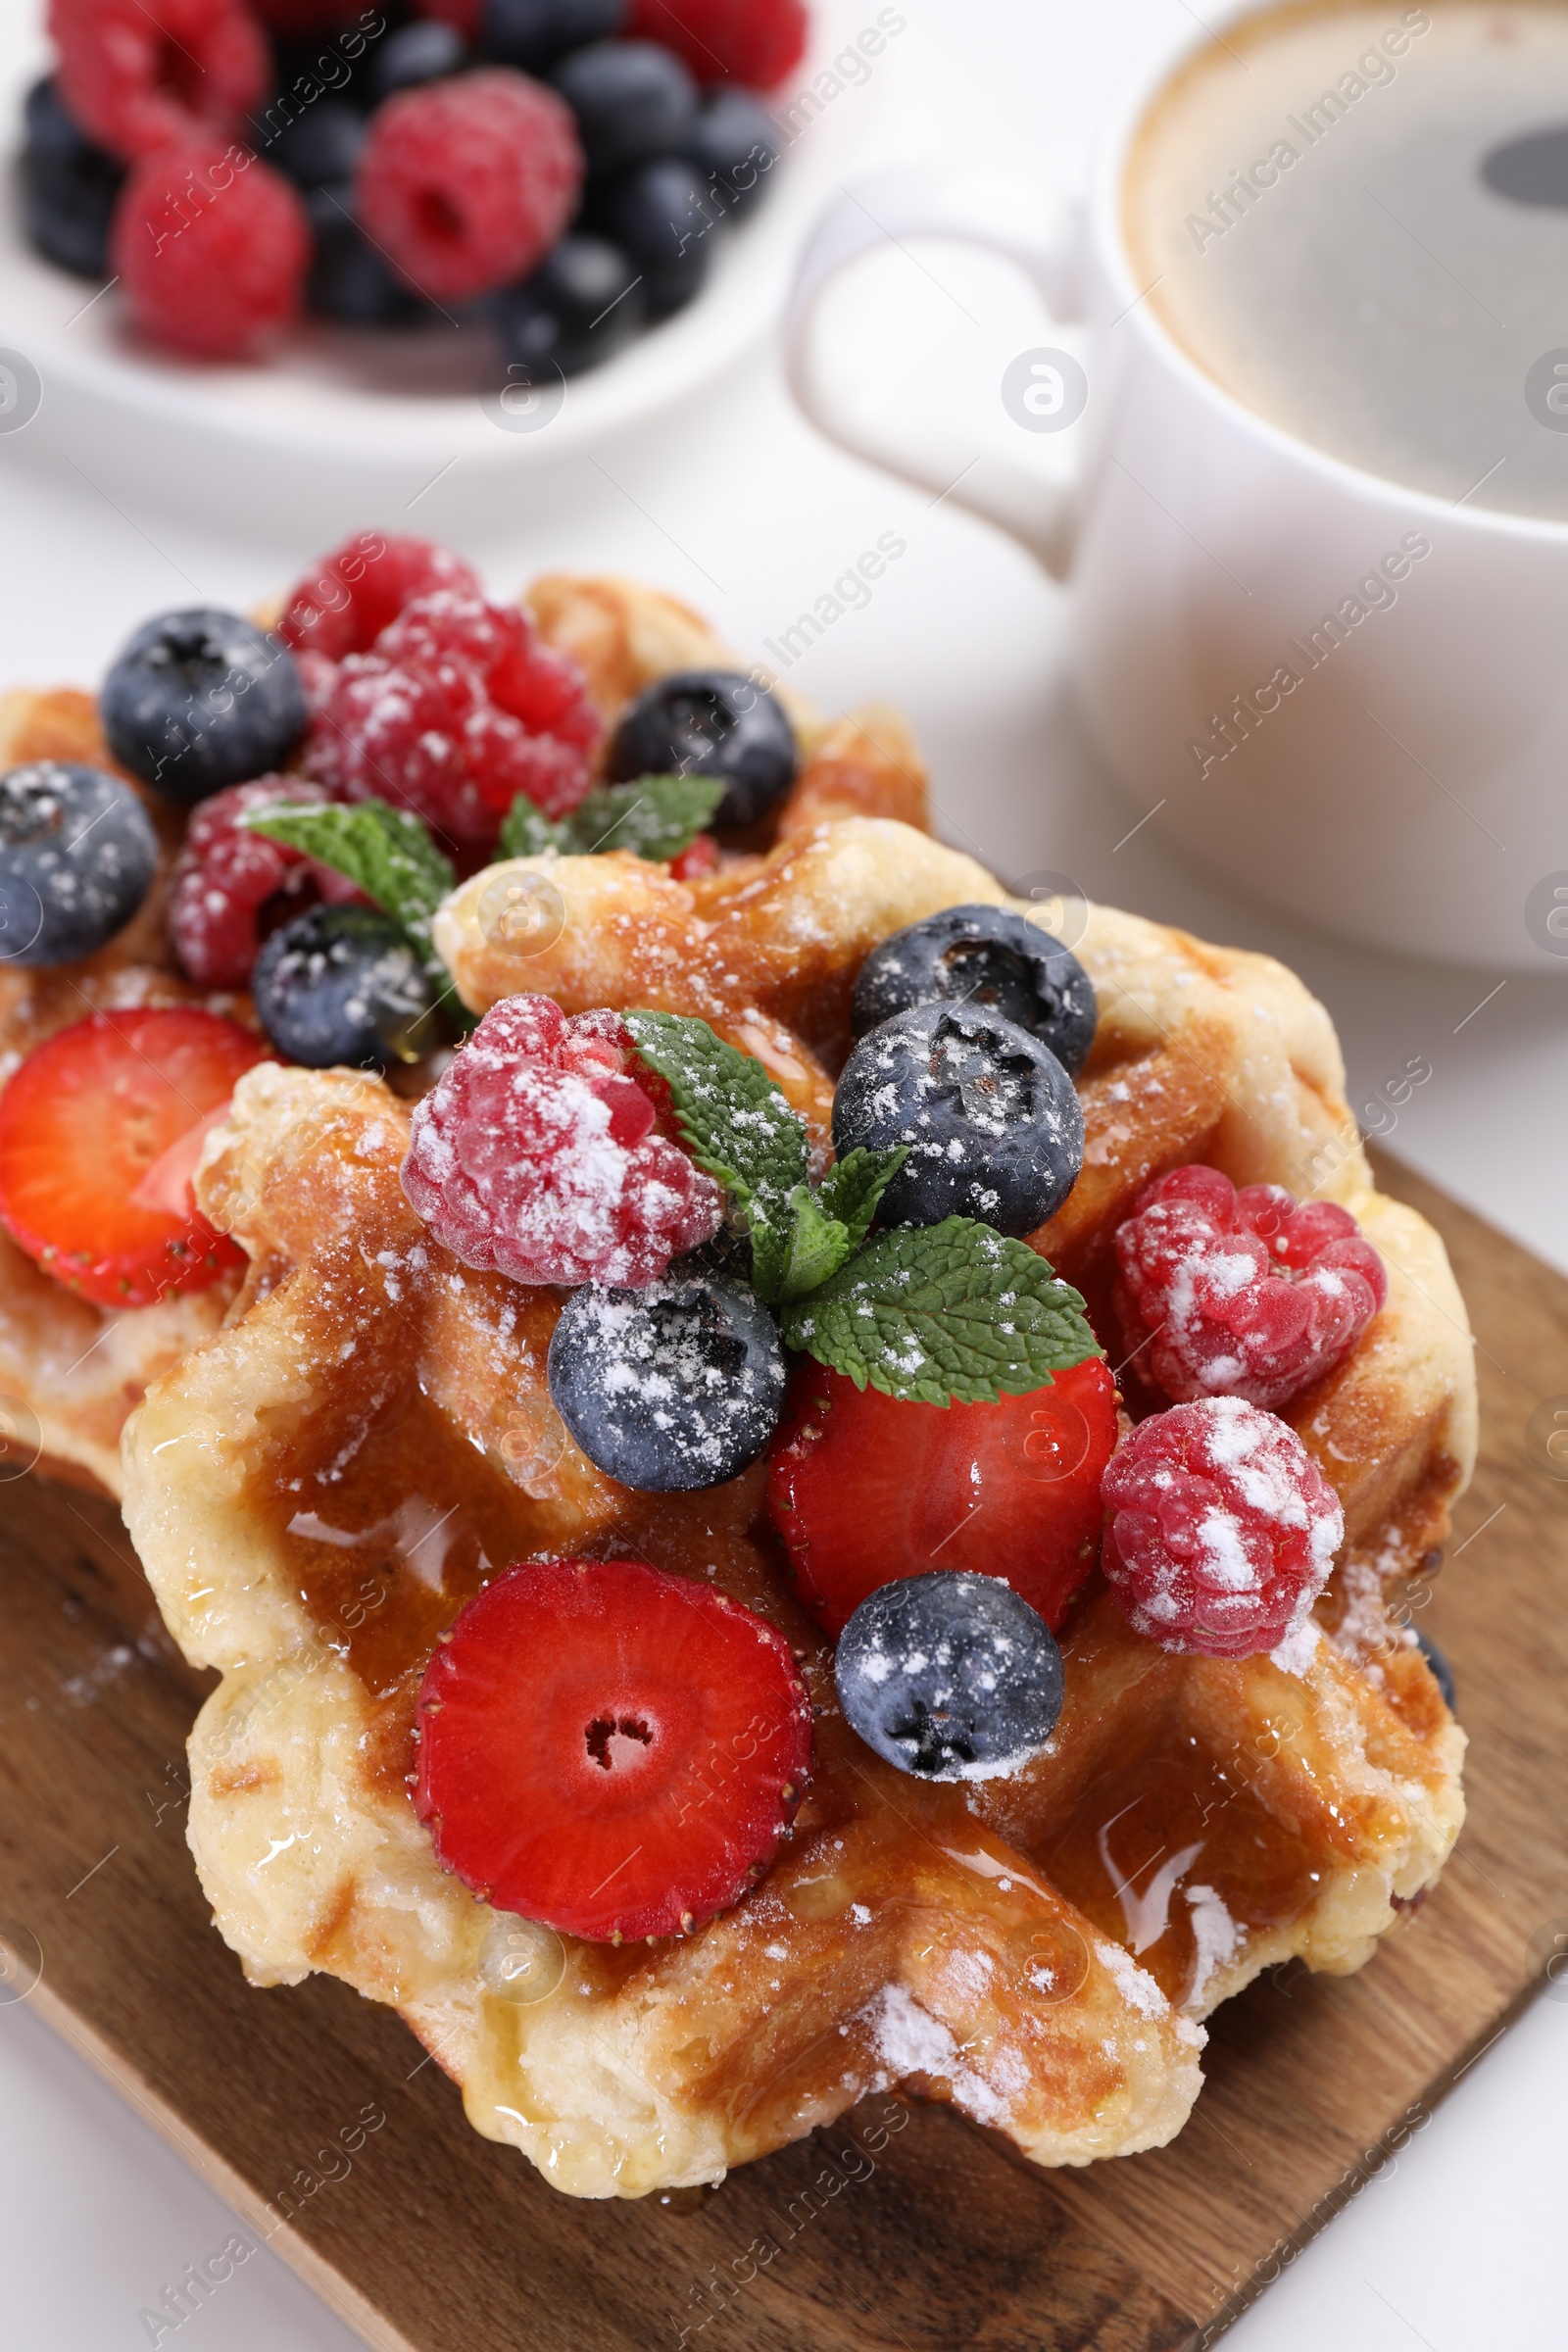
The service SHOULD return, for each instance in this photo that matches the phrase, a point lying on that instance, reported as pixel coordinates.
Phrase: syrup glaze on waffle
(316, 1491)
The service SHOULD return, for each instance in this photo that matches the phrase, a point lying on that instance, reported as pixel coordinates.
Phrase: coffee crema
(1356, 220)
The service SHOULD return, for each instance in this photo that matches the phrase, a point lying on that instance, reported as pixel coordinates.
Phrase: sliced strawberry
(864, 1490)
(609, 1750)
(100, 1131)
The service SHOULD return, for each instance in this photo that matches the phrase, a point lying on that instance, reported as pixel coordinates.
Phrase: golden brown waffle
(70, 1371)
(316, 1491)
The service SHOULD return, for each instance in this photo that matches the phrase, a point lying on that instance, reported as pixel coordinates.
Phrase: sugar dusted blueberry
(950, 1677)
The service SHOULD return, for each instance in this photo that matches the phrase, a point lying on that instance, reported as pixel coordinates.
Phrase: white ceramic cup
(1399, 776)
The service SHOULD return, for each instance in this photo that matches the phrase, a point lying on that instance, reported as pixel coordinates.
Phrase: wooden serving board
(903, 2227)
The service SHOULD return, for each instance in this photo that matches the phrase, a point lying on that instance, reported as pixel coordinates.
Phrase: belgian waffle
(316, 1491)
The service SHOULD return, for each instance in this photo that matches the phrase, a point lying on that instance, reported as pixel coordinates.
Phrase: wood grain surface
(903, 2227)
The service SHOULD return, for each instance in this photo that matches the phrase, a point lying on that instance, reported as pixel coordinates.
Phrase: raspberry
(352, 595)
(140, 75)
(539, 1154)
(1221, 1530)
(609, 1748)
(697, 861)
(454, 711)
(225, 877)
(468, 184)
(754, 41)
(211, 247)
(1241, 1294)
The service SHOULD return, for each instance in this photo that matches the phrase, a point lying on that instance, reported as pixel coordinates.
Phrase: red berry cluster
(539, 1153)
(463, 178)
(455, 708)
(229, 886)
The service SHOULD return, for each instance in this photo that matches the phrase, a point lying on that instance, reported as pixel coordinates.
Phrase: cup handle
(1027, 225)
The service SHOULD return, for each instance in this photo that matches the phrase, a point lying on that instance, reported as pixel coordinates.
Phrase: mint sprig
(387, 851)
(737, 1125)
(935, 1314)
(656, 818)
(389, 854)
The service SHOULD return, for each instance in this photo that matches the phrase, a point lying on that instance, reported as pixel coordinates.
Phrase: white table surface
(742, 509)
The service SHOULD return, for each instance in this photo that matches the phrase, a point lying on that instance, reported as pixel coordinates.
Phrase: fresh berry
(864, 1490)
(352, 595)
(456, 710)
(320, 147)
(425, 51)
(669, 1387)
(100, 1132)
(77, 856)
(698, 859)
(982, 955)
(141, 75)
(202, 699)
(539, 1153)
(211, 253)
(662, 215)
(950, 1677)
(754, 41)
(531, 35)
(231, 887)
(1220, 1529)
(584, 303)
(298, 19)
(468, 184)
(632, 100)
(348, 280)
(1442, 1671)
(988, 1114)
(68, 187)
(734, 145)
(709, 722)
(609, 1750)
(1241, 1294)
(341, 987)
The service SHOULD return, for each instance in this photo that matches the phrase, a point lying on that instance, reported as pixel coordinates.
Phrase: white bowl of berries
(263, 254)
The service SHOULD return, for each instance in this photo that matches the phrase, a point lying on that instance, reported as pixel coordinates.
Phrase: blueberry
(68, 187)
(342, 985)
(950, 1676)
(202, 699)
(662, 213)
(632, 100)
(1442, 1671)
(533, 34)
(428, 50)
(670, 1388)
(77, 856)
(994, 1127)
(709, 722)
(581, 306)
(349, 278)
(982, 955)
(734, 146)
(320, 147)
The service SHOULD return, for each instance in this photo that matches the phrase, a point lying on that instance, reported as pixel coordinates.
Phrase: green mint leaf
(953, 1312)
(656, 817)
(737, 1125)
(387, 851)
(818, 1246)
(852, 1189)
(526, 831)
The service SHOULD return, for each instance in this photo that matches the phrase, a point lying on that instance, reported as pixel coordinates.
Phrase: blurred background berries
(555, 170)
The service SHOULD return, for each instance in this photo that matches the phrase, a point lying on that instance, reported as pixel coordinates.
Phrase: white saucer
(338, 421)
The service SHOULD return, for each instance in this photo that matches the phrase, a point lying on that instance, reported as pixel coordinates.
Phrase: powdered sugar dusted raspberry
(455, 709)
(1221, 1530)
(1241, 1294)
(346, 599)
(225, 877)
(539, 1154)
